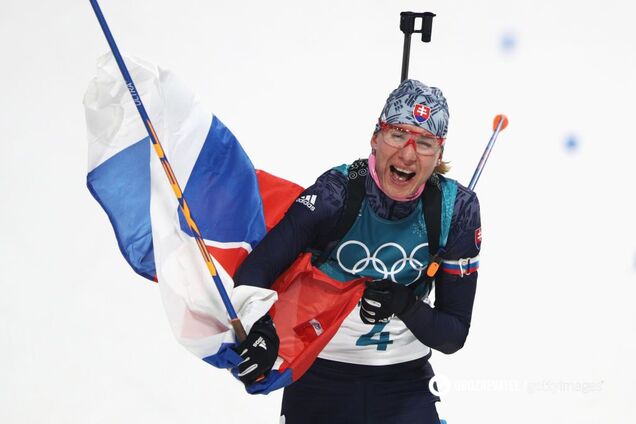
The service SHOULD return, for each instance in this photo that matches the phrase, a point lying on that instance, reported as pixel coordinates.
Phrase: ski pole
(234, 320)
(499, 124)
(407, 26)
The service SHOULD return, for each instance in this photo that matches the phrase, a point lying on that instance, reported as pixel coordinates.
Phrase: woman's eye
(400, 135)
(425, 143)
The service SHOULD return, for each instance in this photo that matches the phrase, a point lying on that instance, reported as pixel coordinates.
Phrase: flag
(233, 205)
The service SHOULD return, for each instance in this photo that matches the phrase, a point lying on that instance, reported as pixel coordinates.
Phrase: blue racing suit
(383, 368)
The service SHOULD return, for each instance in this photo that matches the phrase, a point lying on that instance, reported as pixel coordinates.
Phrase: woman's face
(401, 170)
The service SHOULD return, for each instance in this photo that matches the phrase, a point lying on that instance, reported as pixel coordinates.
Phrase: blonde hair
(443, 167)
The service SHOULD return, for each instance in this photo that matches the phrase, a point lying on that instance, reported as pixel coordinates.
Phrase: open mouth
(401, 174)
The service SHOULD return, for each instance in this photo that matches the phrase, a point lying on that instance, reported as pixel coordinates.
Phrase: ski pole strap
(432, 198)
(358, 171)
(432, 206)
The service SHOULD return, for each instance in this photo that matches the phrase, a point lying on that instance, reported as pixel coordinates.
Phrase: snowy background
(84, 340)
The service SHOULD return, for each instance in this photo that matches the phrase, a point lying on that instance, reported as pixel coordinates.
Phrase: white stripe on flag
(229, 245)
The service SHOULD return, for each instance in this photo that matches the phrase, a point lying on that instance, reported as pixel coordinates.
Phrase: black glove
(259, 350)
(382, 299)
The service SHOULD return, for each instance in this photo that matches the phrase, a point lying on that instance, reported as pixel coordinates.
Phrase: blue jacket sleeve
(445, 326)
(306, 221)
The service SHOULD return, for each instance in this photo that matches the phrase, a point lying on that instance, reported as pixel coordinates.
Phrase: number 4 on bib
(382, 341)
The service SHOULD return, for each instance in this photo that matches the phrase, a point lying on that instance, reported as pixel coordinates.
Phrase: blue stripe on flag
(226, 357)
(274, 381)
(121, 185)
(222, 191)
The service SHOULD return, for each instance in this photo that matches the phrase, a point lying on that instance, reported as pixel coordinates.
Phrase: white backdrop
(84, 340)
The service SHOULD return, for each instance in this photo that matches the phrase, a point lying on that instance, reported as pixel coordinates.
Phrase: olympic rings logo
(378, 265)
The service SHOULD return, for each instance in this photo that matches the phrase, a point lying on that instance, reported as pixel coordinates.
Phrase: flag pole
(234, 320)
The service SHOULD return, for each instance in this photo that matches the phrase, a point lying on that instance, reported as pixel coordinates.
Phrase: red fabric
(230, 259)
(310, 308)
(277, 194)
(311, 305)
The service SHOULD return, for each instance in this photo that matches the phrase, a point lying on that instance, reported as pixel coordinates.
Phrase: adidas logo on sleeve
(308, 200)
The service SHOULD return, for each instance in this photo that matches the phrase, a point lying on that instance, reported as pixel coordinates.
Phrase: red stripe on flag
(230, 259)
(277, 194)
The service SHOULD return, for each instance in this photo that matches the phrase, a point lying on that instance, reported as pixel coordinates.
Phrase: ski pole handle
(407, 26)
